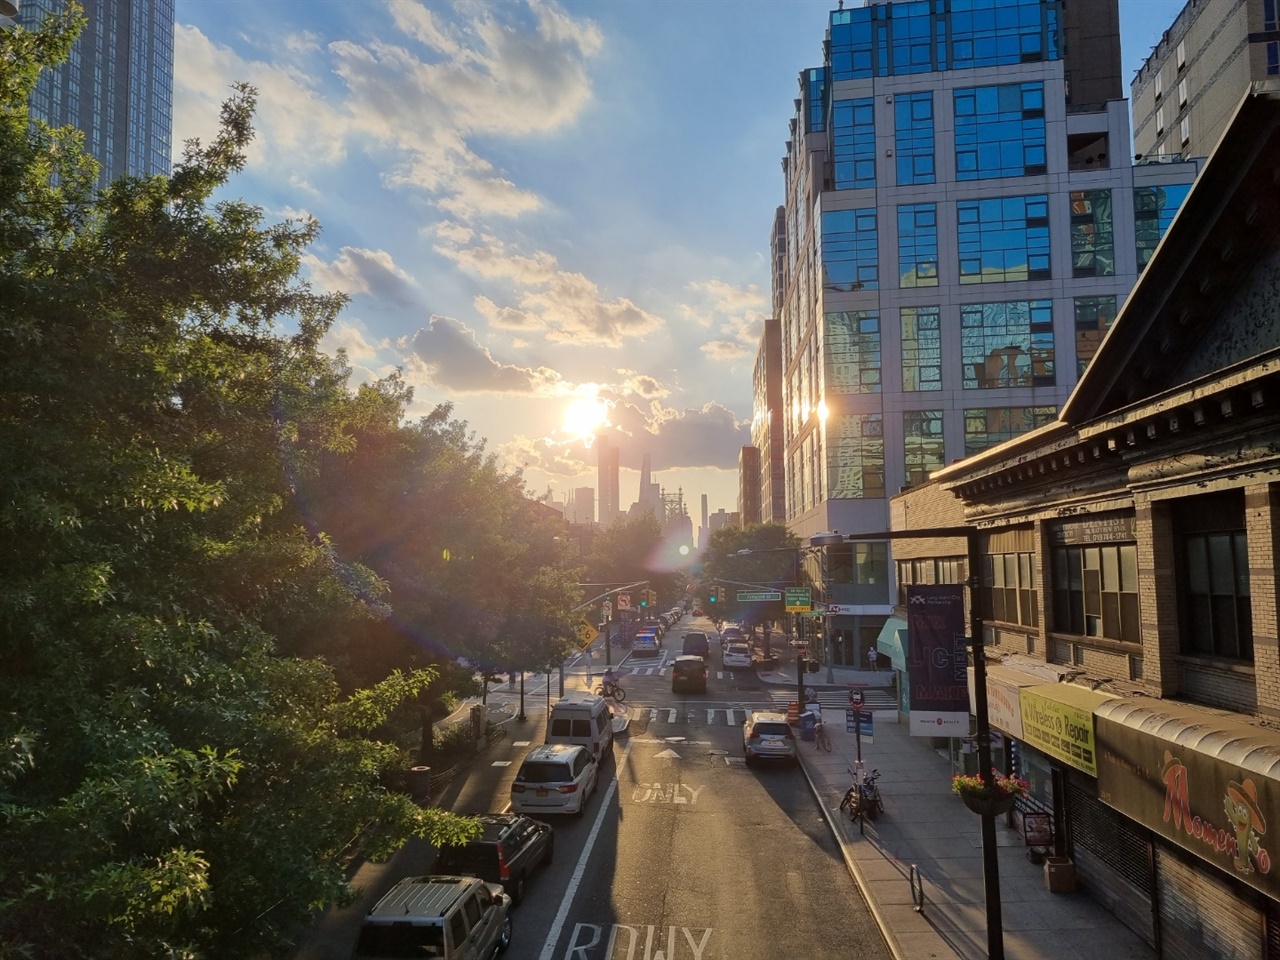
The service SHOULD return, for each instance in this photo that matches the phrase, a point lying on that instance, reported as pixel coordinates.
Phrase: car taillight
(517, 788)
(569, 788)
(504, 872)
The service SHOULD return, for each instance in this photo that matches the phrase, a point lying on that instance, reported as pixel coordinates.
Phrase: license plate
(542, 793)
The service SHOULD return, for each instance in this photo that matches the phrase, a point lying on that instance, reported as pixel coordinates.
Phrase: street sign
(607, 610)
(748, 595)
(855, 697)
(851, 720)
(624, 601)
(799, 599)
(586, 633)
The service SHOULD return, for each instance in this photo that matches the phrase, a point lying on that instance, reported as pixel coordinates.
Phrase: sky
(553, 217)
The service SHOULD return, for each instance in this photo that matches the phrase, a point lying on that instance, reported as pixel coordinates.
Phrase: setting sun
(584, 416)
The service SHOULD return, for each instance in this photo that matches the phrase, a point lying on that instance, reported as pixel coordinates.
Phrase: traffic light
(644, 598)
(713, 594)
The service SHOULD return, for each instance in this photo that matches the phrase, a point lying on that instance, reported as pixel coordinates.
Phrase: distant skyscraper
(582, 505)
(607, 480)
(117, 85)
(749, 485)
(650, 494)
(703, 533)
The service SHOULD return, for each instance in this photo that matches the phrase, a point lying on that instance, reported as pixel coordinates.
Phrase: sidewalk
(926, 826)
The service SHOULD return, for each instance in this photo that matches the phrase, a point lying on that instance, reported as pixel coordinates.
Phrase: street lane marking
(501, 763)
(557, 925)
(578, 951)
(665, 793)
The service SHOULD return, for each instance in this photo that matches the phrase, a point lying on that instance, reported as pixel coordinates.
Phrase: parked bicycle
(862, 799)
(611, 691)
(821, 739)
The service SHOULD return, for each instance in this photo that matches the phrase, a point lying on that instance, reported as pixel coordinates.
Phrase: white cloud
(448, 356)
(371, 272)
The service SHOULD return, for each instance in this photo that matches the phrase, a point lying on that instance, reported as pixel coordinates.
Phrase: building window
(1095, 591)
(913, 138)
(921, 348)
(850, 254)
(1000, 131)
(1010, 582)
(1093, 316)
(1184, 130)
(1159, 86)
(918, 245)
(1273, 58)
(855, 457)
(922, 445)
(988, 427)
(1182, 54)
(1215, 612)
(1004, 239)
(928, 570)
(817, 111)
(853, 143)
(1182, 93)
(1093, 242)
(1007, 344)
(1270, 15)
(852, 354)
(1153, 210)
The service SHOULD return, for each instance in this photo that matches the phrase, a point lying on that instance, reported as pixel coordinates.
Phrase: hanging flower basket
(996, 799)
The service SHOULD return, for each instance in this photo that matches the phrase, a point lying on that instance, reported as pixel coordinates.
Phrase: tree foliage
(766, 555)
(204, 533)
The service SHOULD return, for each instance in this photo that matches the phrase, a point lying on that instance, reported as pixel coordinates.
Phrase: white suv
(452, 918)
(736, 656)
(767, 736)
(555, 778)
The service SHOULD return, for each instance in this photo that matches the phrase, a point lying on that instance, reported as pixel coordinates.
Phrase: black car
(510, 847)
(688, 674)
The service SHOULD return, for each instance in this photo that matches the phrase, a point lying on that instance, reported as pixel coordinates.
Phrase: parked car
(688, 675)
(555, 778)
(733, 633)
(644, 645)
(767, 736)
(697, 611)
(736, 655)
(509, 848)
(449, 918)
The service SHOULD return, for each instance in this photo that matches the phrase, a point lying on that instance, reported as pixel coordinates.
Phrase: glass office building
(962, 223)
(117, 86)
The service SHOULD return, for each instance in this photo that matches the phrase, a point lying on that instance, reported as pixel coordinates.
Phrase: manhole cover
(674, 739)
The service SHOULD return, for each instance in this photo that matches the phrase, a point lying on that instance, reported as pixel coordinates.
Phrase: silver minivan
(554, 778)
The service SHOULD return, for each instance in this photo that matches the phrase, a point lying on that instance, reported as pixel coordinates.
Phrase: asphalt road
(683, 853)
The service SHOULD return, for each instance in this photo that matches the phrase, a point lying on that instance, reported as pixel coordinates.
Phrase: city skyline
(588, 230)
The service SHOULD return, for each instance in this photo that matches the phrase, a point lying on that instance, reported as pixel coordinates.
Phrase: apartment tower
(961, 224)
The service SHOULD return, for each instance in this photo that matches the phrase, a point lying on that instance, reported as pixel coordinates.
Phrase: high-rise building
(607, 480)
(1191, 84)
(766, 423)
(749, 485)
(582, 505)
(117, 85)
(962, 224)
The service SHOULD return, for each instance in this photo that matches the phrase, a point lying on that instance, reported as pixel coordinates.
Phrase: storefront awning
(1003, 696)
(892, 642)
(1057, 719)
(1198, 777)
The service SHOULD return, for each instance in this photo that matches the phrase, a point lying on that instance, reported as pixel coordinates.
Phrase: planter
(996, 804)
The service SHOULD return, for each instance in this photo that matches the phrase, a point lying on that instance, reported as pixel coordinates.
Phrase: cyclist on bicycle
(609, 680)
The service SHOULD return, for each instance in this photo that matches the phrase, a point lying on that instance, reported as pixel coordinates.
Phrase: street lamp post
(990, 858)
(820, 542)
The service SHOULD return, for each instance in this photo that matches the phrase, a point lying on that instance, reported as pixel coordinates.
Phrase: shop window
(1095, 591)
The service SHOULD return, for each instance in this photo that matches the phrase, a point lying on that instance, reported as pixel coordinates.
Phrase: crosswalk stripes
(872, 699)
(728, 716)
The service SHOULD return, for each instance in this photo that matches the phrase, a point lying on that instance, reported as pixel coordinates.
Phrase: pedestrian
(871, 657)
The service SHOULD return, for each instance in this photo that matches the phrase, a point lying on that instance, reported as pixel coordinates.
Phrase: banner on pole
(937, 661)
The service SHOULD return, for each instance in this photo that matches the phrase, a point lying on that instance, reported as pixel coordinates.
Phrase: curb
(890, 941)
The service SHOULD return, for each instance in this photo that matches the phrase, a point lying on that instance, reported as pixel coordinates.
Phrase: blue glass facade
(1000, 131)
(853, 143)
(1007, 344)
(1153, 210)
(918, 245)
(117, 85)
(852, 352)
(914, 139)
(927, 35)
(850, 252)
(1004, 239)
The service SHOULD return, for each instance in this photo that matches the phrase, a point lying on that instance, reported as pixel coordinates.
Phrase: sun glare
(584, 416)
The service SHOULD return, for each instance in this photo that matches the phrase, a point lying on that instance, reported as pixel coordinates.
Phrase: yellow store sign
(1057, 719)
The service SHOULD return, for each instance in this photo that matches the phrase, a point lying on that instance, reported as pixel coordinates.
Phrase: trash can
(807, 723)
(419, 780)
(1059, 874)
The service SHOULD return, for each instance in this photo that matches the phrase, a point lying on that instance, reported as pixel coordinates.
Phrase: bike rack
(917, 888)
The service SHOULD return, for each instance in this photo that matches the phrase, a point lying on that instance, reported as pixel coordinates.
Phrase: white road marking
(711, 716)
(501, 763)
(667, 755)
(557, 925)
(671, 715)
(520, 743)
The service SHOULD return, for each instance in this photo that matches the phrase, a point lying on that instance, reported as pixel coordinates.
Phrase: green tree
(762, 555)
(172, 784)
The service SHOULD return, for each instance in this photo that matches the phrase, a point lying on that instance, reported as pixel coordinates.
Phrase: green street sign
(799, 599)
(747, 595)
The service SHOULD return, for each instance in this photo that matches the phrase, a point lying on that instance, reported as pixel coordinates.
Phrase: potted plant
(996, 798)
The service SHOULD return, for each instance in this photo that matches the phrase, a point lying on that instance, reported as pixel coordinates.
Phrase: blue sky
(546, 214)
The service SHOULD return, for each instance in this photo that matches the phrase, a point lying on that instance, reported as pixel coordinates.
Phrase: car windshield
(400, 940)
(740, 648)
(538, 772)
(770, 730)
